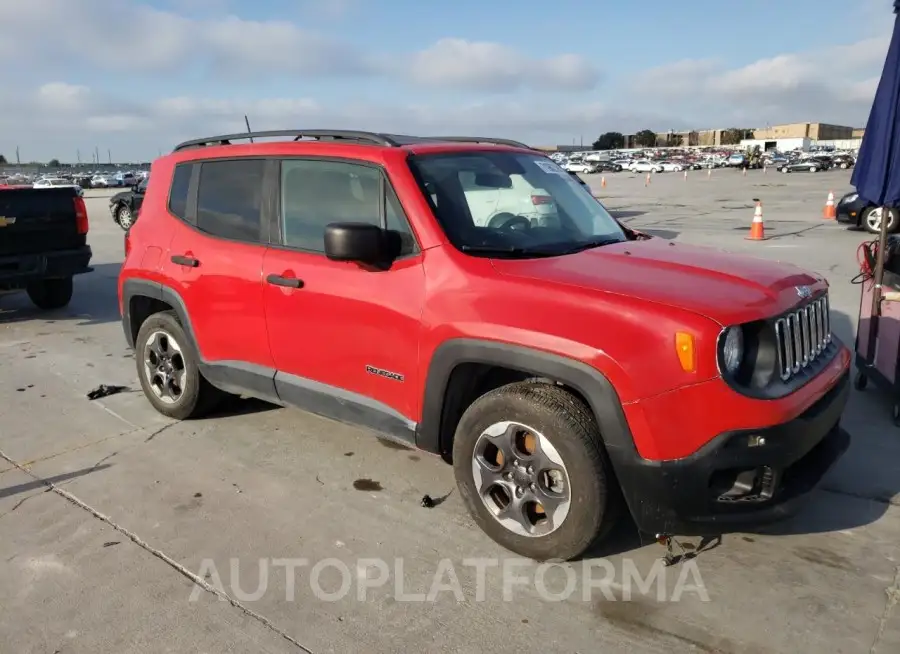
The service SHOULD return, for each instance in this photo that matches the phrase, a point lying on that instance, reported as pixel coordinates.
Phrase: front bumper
(730, 483)
(850, 212)
(17, 270)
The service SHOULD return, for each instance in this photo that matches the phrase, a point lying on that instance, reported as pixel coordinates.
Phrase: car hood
(119, 197)
(724, 287)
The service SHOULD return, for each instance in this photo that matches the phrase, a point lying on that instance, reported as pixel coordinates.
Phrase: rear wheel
(169, 369)
(843, 166)
(50, 294)
(813, 169)
(531, 468)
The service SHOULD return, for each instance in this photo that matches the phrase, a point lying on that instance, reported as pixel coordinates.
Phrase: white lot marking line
(172, 563)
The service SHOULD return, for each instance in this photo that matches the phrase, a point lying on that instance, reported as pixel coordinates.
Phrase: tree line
(647, 138)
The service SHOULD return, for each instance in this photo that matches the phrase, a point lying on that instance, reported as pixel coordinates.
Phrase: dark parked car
(853, 210)
(607, 167)
(126, 205)
(804, 166)
(843, 161)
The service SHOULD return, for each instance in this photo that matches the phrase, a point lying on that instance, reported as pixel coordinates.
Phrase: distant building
(812, 131)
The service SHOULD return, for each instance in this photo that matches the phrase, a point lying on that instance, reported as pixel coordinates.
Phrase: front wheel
(843, 166)
(49, 294)
(532, 470)
(871, 220)
(124, 217)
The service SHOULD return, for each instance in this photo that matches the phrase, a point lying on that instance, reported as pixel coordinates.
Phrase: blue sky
(137, 77)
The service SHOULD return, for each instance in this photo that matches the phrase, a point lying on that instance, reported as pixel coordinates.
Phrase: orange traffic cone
(757, 230)
(830, 212)
(603, 182)
(647, 183)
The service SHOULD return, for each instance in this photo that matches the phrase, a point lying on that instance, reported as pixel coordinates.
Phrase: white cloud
(140, 130)
(117, 36)
(833, 85)
(453, 62)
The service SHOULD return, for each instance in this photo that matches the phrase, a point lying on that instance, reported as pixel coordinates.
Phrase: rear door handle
(290, 282)
(185, 261)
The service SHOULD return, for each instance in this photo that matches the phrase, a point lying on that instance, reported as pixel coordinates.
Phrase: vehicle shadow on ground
(865, 482)
(94, 302)
(235, 406)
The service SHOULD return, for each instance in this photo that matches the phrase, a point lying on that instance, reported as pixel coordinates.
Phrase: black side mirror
(360, 242)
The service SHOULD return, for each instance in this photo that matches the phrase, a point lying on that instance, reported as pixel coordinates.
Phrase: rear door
(38, 220)
(214, 262)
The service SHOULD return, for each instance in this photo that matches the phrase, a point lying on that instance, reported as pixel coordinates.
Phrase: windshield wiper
(508, 251)
(589, 245)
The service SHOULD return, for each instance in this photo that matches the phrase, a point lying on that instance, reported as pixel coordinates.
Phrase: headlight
(733, 349)
(853, 197)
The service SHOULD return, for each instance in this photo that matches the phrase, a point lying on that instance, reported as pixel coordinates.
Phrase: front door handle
(290, 282)
(185, 261)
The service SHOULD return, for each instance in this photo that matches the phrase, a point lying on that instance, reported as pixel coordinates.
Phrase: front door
(345, 339)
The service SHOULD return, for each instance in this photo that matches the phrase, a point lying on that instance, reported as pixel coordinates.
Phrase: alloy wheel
(521, 478)
(164, 367)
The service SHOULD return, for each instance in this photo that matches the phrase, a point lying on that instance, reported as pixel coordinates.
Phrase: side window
(178, 194)
(229, 201)
(315, 193)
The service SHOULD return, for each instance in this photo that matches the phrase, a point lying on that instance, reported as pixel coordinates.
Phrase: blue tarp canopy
(877, 172)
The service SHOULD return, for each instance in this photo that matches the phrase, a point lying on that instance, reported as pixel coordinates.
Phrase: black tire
(49, 294)
(595, 497)
(860, 381)
(198, 397)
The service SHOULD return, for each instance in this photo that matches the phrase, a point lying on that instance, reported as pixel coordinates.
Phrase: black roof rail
(477, 139)
(370, 138)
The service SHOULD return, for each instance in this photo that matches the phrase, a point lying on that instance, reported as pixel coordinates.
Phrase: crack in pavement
(162, 556)
(160, 430)
(22, 501)
(74, 448)
(893, 597)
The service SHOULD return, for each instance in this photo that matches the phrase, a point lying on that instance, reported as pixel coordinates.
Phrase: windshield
(507, 202)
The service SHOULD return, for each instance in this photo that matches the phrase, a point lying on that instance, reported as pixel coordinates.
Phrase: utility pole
(109, 154)
(18, 161)
(78, 156)
(97, 155)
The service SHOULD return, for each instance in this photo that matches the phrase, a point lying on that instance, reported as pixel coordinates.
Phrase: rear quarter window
(178, 193)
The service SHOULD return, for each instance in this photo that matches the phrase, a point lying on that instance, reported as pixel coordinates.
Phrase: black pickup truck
(126, 205)
(43, 242)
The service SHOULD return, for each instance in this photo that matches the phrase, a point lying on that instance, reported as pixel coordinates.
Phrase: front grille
(801, 336)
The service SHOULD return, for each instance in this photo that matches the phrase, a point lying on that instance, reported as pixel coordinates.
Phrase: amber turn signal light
(684, 348)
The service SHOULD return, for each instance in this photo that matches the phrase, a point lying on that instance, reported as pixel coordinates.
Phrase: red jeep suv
(470, 298)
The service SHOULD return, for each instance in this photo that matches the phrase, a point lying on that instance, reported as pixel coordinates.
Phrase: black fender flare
(132, 288)
(587, 380)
